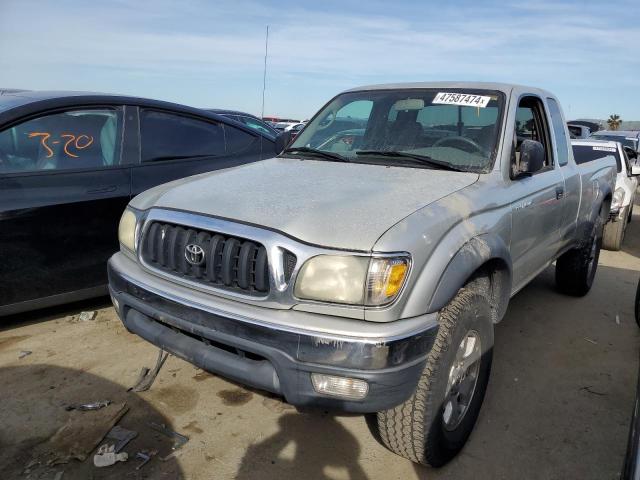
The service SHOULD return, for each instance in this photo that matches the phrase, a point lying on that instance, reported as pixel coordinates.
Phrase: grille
(224, 261)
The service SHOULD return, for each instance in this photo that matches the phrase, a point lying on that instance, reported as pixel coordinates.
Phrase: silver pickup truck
(364, 268)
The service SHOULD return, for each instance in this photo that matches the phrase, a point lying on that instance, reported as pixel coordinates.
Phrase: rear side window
(75, 139)
(237, 140)
(258, 126)
(167, 136)
(559, 132)
(587, 153)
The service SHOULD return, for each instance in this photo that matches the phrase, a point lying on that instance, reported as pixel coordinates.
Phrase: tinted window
(562, 144)
(67, 140)
(588, 153)
(166, 136)
(237, 140)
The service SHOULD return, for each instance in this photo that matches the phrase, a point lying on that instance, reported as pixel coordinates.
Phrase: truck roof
(506, 88)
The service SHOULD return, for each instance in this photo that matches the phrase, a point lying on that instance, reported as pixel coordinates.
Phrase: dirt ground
(558, 404)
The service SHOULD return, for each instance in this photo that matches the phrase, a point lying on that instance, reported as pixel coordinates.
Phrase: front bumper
(270, 356)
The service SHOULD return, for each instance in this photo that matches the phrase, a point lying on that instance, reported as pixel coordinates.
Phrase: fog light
(351, 388)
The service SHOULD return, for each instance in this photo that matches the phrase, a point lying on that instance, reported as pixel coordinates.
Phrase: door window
(74, 139)
(167, 136)
(236, 139)
(531, 124)
(562, 145)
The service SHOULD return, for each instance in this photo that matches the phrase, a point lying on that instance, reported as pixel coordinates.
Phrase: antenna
(264, 76)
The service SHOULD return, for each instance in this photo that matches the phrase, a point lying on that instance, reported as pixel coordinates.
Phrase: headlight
(127, 230)
(354, 280)
(618, 198)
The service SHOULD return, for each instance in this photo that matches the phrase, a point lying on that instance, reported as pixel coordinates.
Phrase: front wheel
(433, 425)
(614, 234)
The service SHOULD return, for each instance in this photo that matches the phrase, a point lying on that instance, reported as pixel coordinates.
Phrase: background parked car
(625, 189)
(70, 163)
(628, 138)
(295, 129)
(249, 120)
(578, 131)
(593, 126)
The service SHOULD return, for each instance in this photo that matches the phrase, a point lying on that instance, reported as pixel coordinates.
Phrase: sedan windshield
(444, 128)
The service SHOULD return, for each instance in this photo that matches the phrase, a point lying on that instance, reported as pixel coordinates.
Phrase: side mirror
(631, 153)
(635, 170)
(282, 140)
(531, 157)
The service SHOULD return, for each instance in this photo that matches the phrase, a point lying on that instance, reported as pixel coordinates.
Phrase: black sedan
(70, 162)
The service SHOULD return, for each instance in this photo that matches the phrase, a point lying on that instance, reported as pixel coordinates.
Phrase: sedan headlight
(618, 199)
(353, 280)
(127, 230)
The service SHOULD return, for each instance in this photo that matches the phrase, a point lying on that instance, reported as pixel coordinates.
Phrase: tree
(614, 121)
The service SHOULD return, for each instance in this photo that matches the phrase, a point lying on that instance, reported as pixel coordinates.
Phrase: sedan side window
(236, 139)
(74, 139)
(167, 136)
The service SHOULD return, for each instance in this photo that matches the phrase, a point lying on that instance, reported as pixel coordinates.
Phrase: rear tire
(614, 234)
(576, 269)
(433, 425)
(637, 305)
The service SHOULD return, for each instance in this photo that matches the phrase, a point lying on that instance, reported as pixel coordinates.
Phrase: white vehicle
(282, 126)
(626, 185)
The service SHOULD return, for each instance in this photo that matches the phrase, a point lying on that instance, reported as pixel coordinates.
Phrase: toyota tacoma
(363, 269)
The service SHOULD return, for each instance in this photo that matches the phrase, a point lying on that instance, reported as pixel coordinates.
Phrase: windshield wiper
(334, 157)
(423, 159)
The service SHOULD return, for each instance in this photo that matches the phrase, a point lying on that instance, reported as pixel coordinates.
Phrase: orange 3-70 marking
(78, 142)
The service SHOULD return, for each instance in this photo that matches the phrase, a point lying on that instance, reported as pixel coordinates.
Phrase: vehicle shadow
(631, 242)
(308, 445)
(52, 313)
(32, 410)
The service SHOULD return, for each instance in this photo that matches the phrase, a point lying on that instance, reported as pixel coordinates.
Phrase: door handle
(104, 189)
(559, 193)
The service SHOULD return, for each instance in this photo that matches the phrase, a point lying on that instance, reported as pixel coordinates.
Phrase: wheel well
(605, 207)
(493, 280)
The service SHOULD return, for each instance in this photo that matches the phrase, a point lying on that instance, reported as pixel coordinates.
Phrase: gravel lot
(558, 404)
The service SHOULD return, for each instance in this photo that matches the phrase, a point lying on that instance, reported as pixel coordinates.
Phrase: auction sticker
(605, 149)
(463, 99)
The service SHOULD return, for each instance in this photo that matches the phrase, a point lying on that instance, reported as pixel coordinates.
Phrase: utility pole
(264, 76)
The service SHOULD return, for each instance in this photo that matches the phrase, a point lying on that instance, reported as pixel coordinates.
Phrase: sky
(210, 53)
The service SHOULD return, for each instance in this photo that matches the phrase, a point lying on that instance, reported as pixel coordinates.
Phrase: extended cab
(365, 273)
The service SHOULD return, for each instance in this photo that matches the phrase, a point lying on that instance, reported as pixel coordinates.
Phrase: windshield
(458, 128)
(625, 141)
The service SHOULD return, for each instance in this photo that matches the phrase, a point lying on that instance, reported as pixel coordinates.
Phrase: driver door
(537, 212)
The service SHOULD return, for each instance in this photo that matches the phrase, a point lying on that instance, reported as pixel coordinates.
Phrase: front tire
(614, 234)
(433, 425)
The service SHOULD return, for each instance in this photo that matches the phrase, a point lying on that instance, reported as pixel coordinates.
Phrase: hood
(337, 205)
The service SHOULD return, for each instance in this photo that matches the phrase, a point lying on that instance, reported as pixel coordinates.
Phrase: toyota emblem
(194, 254)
